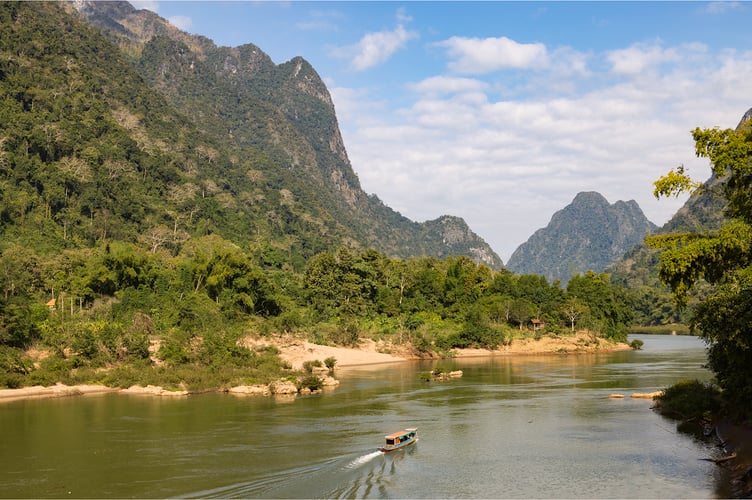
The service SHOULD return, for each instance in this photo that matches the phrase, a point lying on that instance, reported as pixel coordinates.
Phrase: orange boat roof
(400, 433)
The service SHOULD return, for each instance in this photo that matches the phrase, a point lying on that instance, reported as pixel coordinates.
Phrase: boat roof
(401, 433)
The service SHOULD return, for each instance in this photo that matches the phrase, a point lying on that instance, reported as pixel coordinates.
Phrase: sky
(501, 112)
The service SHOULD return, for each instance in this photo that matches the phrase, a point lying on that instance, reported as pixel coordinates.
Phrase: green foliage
(312, 382)
(669, 329)
(13, 364)
(636, 344)
(690, 399)
(166, 241)
(723, 258)
(609, 305)
(674, 183)
(308, 366)
(477, 331)
(347, 333)
(330, 362)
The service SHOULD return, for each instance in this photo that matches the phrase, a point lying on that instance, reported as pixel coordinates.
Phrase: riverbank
(736, 440)
(369, 352)
(580, 343)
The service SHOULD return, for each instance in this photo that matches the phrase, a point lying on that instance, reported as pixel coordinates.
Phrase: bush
(14, 361)
(289, 321)
(689, 399)
(636, 344)
(11, 381)
(312, 382)
(174, 349)
(347, 333)
(309, 365)
(330, 362)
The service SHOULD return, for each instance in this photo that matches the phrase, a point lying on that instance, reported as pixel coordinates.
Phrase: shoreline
(368, 354)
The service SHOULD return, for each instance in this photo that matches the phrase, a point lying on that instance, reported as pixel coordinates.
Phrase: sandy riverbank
(296, 352)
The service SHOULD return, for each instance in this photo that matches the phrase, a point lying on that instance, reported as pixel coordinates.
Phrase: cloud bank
(511, 132)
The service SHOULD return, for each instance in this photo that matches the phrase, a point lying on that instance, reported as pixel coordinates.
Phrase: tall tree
(722, 258)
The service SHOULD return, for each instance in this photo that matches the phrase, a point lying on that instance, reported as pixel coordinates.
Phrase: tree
(609, 304)
(19, 271)
(521, 310)
(723, 258)
(572, 310)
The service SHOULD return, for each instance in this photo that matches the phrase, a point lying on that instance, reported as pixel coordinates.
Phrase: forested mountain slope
(703, 212)
(277, 128)
(587, 235)
(149, 233)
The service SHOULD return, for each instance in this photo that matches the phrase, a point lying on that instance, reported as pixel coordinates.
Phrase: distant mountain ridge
(279, 120)
(588, 234)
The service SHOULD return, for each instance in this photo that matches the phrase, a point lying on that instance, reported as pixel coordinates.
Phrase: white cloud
(375, 48)
(181, 22)
(640, 57)
(146, 5)
(722, 7)
(402, 16)
(447, 85)
(485, 55)
(508, 165)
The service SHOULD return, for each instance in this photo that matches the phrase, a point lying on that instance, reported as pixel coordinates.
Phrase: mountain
(588, 234)
(638, 269)
(702, 212)
(274, 142)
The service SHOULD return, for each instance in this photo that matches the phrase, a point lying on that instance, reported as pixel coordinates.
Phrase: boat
(400, 439)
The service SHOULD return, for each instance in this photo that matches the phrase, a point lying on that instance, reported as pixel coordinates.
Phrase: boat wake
(353, 476)
(363, 459)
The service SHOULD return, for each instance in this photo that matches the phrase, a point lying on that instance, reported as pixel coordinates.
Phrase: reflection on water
(512, 426)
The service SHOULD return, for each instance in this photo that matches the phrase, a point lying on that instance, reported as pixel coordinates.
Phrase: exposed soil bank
(737, 442)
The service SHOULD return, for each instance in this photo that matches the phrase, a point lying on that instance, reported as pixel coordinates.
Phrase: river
(512, 427)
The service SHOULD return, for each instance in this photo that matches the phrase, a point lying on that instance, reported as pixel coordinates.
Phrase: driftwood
(721, 460)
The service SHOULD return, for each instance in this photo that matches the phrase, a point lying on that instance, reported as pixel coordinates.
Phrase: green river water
(511, 427)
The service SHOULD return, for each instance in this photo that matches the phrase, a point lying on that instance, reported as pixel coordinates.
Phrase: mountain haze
(587, 235)
(278, 127)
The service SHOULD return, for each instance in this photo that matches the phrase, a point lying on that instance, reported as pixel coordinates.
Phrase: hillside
(142, 243)
(638, 268)
(277, 128)
(587, 235)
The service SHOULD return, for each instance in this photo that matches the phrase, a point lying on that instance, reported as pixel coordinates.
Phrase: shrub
(330, 362)
(14, 361)
(312, 382)
(689, 399)
(11, 380)
(310, 364)
(347, 333)
(173, 350)
(289, 321)
(420, 342)
(636, 344)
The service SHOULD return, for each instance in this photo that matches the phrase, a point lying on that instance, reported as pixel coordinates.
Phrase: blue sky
(501, 112)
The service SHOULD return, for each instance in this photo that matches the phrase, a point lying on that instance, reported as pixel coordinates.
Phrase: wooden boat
(400, 439)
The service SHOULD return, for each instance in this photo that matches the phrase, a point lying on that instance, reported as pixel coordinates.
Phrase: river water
(511, 427)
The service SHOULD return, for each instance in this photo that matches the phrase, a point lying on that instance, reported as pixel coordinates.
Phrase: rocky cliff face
(587, 235)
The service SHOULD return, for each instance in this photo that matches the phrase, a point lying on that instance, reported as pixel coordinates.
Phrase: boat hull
(384, 449)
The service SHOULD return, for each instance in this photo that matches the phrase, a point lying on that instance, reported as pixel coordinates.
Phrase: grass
(672, 329)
